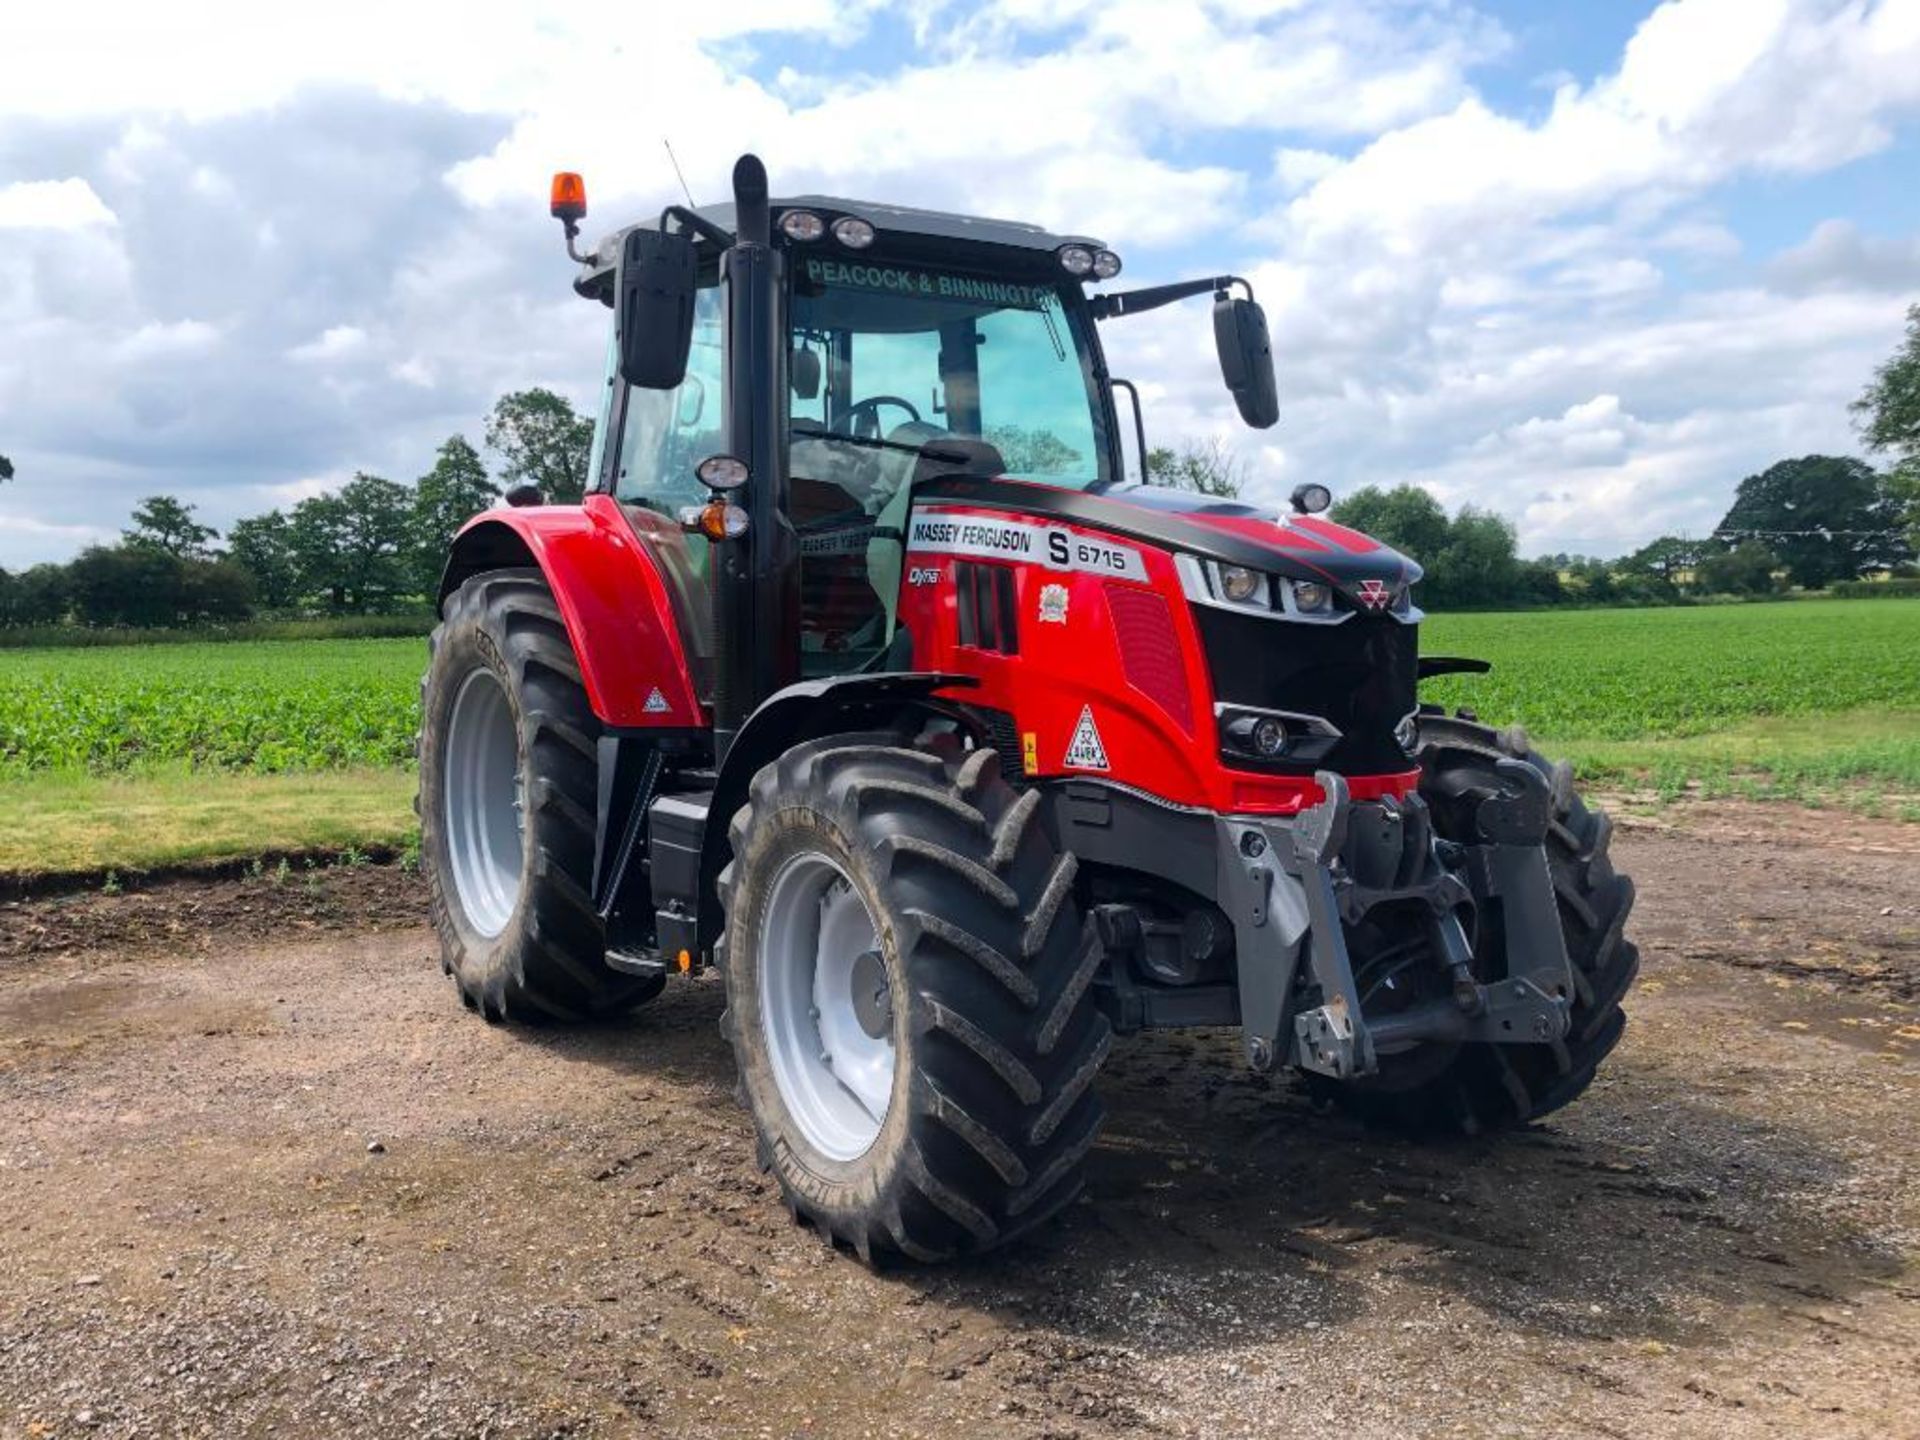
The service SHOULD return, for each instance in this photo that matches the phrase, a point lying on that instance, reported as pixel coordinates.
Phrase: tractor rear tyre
(1471, 1089)
(506, 804)
(909, 997)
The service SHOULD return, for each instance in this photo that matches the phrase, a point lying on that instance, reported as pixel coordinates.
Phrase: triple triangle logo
(656, 703)
(1084, 751)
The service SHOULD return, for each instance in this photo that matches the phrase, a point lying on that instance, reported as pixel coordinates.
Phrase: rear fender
(611, 596)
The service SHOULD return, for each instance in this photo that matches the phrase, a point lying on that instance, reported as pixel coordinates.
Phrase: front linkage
(1293, 890)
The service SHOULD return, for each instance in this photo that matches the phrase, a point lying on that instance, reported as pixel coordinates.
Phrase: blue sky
(1584, 265)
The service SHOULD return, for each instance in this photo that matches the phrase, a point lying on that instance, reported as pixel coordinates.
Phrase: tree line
(373, 546)
(1810, 523)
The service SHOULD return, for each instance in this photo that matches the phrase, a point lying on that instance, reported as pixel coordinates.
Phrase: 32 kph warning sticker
(1084, 751)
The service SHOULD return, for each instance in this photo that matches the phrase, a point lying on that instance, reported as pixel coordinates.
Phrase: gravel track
(259, 1170)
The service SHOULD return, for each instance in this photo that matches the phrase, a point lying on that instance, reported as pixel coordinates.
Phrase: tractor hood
(1303, 547)
(1372, 576)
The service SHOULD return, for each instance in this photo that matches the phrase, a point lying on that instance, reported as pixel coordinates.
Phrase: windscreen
(887, 358)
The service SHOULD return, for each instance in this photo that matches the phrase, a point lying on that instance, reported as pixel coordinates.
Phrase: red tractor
(861, 675)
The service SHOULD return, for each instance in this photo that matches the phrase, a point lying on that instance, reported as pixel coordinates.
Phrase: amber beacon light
(569, 201)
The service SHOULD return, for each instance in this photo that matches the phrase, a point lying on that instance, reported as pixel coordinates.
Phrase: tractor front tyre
(508, 771)
(1475, 1088)
(909, 997)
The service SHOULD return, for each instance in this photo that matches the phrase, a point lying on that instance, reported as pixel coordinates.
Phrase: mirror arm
(699, 224)
(1136, 302)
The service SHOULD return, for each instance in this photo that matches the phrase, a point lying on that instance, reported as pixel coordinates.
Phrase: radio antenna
(676, 172)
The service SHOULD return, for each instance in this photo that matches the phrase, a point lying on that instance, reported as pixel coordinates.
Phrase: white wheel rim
(818, 944)
(483, 802)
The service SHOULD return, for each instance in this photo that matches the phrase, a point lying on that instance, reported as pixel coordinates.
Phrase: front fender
(611, 595)
(786, 718)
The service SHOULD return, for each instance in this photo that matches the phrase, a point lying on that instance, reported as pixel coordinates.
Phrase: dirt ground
(259, 1170)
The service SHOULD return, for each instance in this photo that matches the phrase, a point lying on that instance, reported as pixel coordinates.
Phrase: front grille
(1358, 675)
(1150, 650)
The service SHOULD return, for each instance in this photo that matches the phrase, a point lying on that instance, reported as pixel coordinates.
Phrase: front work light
(1075, 259)
(1311, 498)
(802, 225)
(853, 232)
(1106, 264)
(722, 472)
(569, 202)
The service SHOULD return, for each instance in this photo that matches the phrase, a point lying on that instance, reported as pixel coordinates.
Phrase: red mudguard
(613, 597)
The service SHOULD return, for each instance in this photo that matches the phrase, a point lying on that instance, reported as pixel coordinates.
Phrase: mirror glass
(1246, 360)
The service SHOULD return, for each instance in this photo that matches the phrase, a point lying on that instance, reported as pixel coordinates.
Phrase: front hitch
(1291, 890)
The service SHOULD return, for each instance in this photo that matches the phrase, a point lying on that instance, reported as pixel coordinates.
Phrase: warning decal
(1084, 751)
(656, 702)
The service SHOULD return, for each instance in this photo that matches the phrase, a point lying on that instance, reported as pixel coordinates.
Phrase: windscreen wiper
(874, 442)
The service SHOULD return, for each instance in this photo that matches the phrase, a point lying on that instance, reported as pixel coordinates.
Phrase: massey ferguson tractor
(863, 676)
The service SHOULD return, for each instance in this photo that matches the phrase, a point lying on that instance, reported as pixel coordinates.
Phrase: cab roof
(888, 220)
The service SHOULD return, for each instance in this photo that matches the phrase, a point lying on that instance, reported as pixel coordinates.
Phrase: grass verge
(68, 823)
(1866, 760)
(62, 823)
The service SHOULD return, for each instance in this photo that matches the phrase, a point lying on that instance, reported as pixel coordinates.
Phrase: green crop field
(1648, 674)
(263, 706)
(1814, 700)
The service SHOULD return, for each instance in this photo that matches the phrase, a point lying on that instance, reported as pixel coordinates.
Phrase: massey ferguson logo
(1375, 595)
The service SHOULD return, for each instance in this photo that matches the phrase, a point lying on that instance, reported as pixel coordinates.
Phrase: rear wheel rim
(817, 942)
(484, 802)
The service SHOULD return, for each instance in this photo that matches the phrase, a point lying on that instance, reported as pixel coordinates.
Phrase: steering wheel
(863, 416)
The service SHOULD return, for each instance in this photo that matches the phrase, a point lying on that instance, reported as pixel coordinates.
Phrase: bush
(342, 627)
(1900, 587)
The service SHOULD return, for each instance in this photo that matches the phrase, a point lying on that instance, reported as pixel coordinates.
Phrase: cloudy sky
(1587, 265)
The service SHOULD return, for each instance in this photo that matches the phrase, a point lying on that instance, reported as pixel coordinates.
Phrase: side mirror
(1246, 360)
(653, 314)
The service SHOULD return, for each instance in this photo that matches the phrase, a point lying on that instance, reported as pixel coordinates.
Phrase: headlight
(1256, 591)
(1310, 597)
(1106, 264)
(1241, 585)
(1075, 259)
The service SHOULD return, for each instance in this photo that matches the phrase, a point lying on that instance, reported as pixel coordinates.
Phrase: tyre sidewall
(843, 1191)
(483, 964)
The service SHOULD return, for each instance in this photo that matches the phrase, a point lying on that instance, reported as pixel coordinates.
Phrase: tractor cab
(897, 366)
(907, 344)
